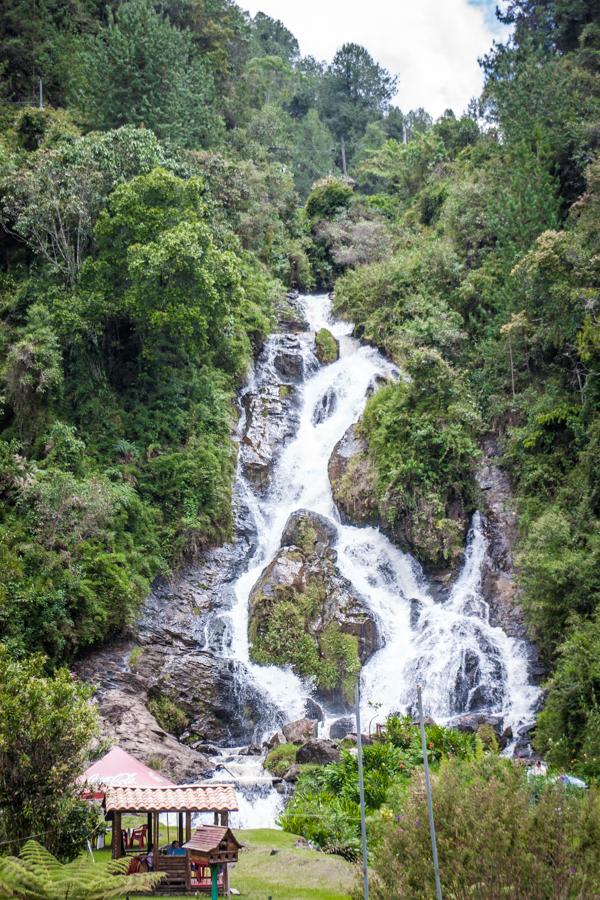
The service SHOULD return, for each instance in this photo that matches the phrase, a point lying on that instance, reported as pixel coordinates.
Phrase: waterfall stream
(464, 663)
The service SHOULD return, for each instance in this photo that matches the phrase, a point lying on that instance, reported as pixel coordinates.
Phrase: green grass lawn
(292, 873)
(289, 873)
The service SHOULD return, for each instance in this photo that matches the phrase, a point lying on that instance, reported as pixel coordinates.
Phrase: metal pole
(361, 789)
(436, 867)
(41, 93)
(214, 878)
(344, 165)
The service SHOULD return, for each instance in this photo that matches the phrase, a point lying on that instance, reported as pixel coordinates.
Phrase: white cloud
(433, 45)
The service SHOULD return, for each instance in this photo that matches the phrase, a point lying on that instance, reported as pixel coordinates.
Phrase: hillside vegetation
(185, 173)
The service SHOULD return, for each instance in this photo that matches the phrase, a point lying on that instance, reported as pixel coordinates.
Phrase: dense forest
(187, 169)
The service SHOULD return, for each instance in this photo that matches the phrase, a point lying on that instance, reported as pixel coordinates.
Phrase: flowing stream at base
(449, 646)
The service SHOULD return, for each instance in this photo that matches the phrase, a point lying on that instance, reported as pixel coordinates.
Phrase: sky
(433, 45)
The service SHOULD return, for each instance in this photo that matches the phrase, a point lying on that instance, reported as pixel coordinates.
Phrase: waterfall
(464, 663)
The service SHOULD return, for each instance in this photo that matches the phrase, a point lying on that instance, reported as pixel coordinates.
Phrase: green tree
(568, 729)
(33, 372)
(46, 725)
(53, 202)
(150, 77)
(312, 152)
(270, 37)
(355, 91)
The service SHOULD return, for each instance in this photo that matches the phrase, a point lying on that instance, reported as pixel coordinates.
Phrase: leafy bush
(568, 729)
(325, 805)
(494, 839)
(328, 197)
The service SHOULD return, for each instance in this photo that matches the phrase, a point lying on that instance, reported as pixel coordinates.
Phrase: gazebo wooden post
(180, 827)
(224, 818)
(117, 837)
(156, 830)
(215, 817)
(188, 826)
(149, 831)
(188, 870)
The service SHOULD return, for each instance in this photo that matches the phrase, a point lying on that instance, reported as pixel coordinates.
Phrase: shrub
(328, 198)
(168, 715)
(494, 839)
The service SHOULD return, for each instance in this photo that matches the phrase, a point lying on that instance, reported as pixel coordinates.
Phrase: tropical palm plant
(37, 875)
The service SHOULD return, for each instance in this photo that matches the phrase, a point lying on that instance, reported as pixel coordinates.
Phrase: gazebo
(220, 799)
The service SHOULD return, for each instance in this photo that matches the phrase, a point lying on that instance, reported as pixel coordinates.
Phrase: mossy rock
(327, 348)
(279, 759)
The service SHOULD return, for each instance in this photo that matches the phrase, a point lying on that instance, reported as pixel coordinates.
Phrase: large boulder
(300, 731)
(341, 727)
(327, 347)
(419, 528)
(352, 479)
(304, 613)
(318, 753)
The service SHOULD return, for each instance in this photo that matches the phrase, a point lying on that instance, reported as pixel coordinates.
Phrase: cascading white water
(462, 661)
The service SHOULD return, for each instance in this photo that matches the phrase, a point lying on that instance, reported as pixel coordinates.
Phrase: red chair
(138, 836)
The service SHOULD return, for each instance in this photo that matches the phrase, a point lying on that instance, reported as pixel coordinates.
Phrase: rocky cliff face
(417, 531)
(303, 612)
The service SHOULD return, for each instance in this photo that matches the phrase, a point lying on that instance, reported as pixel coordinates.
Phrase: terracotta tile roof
(182, 798)
(208, 837)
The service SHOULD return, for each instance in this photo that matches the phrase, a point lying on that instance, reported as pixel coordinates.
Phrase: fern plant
(37, 875)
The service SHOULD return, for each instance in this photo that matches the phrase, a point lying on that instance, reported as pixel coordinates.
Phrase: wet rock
(304, 575)
(310, 531)
(416, 608)
(293, 773)
(289, 363)
(125, 720)
(319, 752)
(499, 582)
(276, 740)
(271, 410)
(326, 406)
(290, 315)
(300, 731)
(251, 750)
(471, 723)
(341, 727)
(207, 749)
(313, 710)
